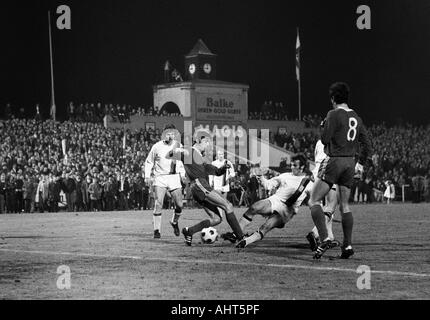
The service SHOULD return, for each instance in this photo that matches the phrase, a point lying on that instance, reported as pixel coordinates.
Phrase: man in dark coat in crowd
(79, 198)
(28, 191)
(19, 199)
(109, 195)
(85, 195)
(10, 194)
(2, 193)
(124, 189)
(71, 192)
(54, 194)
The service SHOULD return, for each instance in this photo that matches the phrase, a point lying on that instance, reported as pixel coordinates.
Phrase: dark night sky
(116, 50)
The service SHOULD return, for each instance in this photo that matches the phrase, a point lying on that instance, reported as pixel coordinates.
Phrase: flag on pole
(298, 56)
(53, 111)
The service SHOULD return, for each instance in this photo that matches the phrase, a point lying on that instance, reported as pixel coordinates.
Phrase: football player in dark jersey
(198, 170)
(344, 136)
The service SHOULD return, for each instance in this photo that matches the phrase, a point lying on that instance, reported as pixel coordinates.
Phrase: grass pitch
(112, 255)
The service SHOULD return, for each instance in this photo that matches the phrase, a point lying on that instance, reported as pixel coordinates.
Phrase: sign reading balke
(221, 103)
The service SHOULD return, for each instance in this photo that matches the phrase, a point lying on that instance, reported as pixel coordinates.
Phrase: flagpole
(53, 108)
(298, 47)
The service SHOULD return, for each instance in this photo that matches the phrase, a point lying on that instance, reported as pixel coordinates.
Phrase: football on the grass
(209, 235)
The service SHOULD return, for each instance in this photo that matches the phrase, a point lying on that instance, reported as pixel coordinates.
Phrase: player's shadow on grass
(275, 247)
(288, 249)
(149, 238)
(26, 237)
(393, 246)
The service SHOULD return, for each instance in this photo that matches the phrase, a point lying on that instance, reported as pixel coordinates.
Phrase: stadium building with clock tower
(203, 99)
(200, 63)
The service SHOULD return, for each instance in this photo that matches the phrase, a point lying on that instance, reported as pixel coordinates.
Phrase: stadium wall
(142, 122)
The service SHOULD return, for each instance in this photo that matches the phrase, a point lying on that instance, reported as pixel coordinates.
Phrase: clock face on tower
(192, 68)
(207, 68)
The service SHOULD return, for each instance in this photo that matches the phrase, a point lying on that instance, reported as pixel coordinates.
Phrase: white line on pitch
(244, 264)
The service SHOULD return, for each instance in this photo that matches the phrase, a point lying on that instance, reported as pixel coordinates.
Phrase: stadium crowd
(89, 167)
(401, 156)
(91, 112)
(269, 111)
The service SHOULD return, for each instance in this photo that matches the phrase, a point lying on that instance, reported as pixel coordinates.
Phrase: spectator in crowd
(42, 193)
(85, 194)
(70, 190)
(109, 195)
(426, 187)
(33, 149)
(95, 192)
(389, 193)
(28, 189)
(3, 187)
(79, 205)
(54, 193)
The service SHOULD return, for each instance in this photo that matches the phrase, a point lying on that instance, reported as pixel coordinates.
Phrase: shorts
(281, 208)
(169, 181)
(200, 188)
(337, 170)
(315, 173)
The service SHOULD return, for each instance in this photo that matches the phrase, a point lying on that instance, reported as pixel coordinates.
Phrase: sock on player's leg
(244, 221)
(234, 224)
(329, 224)
(256, 236)
(156, 219)
(347, 225)
(315, 232)
(176, 215)
(199, 226)
(319, 219)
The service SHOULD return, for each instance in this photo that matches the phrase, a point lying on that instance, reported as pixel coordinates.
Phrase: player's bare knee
(158, 204)
(312, 202)
(229, 207)
(344, 208)
(252, 211)
(215, 221)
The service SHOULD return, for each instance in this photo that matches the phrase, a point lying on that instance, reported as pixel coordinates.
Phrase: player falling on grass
(198, 169)
(292, 189)
(330, 200)
(343, 135)
(167, 177)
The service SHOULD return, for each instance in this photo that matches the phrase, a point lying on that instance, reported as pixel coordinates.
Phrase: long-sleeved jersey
(291, 189)
(158, 164)
(196, 166)
(344, 134)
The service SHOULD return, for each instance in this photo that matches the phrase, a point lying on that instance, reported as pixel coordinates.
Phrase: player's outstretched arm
(177, 154)
(270, 183)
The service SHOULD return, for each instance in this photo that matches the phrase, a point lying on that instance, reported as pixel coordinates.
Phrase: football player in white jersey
(167, 175)
(292, 190)
(221, 184)
(331, 202)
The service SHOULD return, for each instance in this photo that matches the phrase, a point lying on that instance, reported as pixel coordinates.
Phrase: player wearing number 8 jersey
(344, 136)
